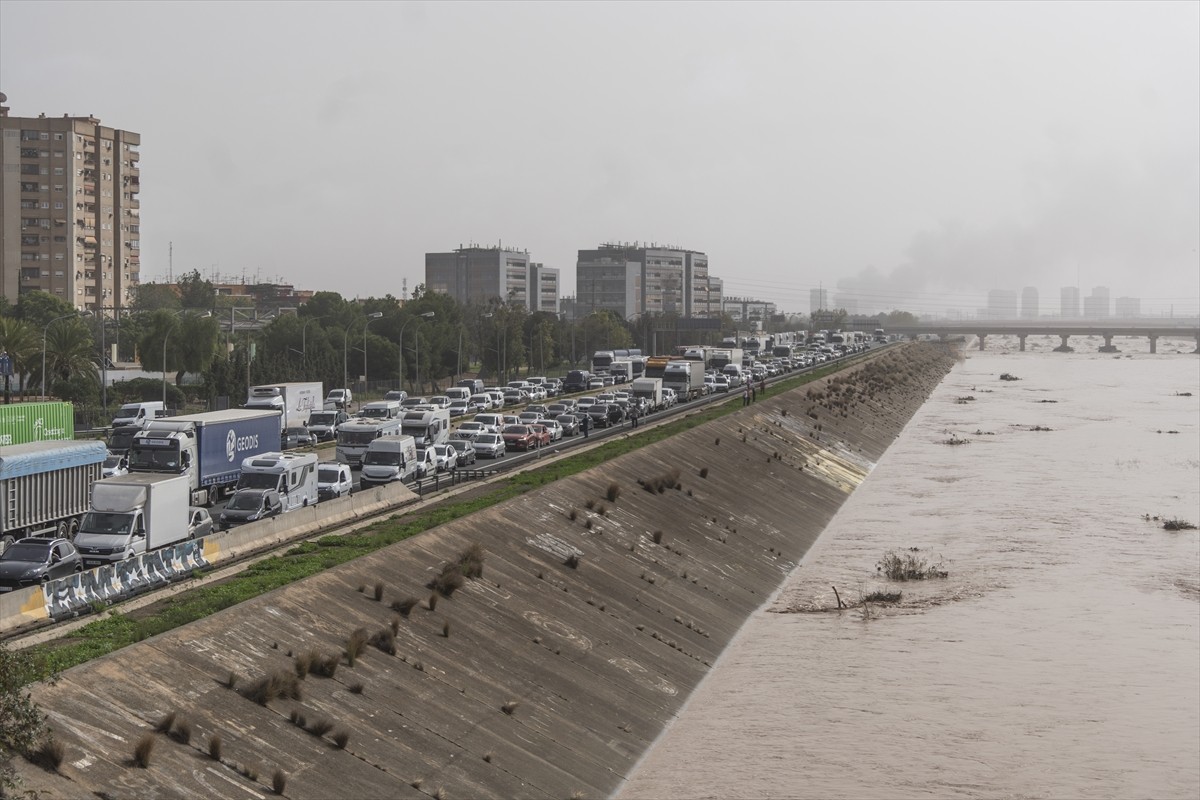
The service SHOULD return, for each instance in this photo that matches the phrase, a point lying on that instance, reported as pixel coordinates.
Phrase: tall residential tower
(69, 210)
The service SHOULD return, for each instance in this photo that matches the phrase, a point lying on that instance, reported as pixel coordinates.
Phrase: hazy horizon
(918, 154)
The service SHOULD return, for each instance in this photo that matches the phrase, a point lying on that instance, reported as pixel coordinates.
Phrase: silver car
(489, 445)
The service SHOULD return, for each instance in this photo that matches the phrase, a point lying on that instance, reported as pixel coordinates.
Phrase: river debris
(964, 400)
(1178, 525)
(909, 566)
(956, 439)
(1008, 376)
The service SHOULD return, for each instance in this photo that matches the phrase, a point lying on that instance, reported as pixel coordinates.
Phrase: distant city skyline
(798, 145)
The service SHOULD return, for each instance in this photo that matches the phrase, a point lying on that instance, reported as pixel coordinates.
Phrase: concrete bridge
(1064, 329)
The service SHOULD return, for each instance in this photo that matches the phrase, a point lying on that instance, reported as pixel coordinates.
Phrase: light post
(426, 315)
(166, 335)
(46, 330)
(371, 316)
(345, 351)
(304, 338)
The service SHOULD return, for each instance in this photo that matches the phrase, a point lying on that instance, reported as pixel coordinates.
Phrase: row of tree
(330, 339)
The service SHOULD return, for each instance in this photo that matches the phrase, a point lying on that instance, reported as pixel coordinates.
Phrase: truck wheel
(61, 529)
(73, 528)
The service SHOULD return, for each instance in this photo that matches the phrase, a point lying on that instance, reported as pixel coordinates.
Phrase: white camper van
(293, 475)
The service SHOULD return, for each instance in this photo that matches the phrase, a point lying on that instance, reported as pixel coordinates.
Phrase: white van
(138, 414)
(735, 374)
(389, 460)
(293, 475)
(381, 409)
(458, 393)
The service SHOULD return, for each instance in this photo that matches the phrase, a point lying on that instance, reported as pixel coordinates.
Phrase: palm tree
(70, 350)
(18, 339)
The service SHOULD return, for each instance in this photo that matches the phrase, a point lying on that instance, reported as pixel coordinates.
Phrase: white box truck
(353, 437)
(650, 389)
(294, 401)
(131, 515)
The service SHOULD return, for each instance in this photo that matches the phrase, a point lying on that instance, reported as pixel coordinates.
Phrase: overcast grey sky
(922, 153)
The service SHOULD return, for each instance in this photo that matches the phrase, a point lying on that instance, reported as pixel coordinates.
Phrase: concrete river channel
(1057, 658)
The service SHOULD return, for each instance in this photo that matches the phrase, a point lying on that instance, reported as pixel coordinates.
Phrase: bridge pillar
(1022, 340)
(982, 340)
(1153, 344)
(1064, 347)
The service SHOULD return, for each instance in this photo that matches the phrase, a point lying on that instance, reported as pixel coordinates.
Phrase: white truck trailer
(131, 515)
(293, 401)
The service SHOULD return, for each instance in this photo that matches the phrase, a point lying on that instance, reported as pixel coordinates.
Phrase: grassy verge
(118, 630)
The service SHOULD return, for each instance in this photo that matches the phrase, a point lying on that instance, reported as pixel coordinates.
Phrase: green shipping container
(22, 423)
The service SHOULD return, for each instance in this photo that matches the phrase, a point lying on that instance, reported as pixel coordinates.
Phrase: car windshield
(382, 458)
(486, 438)
(329, 475)
(516, 429)
(357, 437)
(460, 444)
(112, 461)
(106, 522)
(32, 553)
(369, 412)
(245, 501)
(258, 480)
(321, 418)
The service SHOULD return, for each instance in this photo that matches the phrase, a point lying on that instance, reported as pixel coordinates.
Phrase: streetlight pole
(371, 316)
(426, 315)
(46, 330)
(304, 338)
(166, 336)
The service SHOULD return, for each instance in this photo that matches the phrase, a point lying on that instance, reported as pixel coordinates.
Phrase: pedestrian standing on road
(586, 425)
(633, 417)
(762, 387)
(745, 395)
(753, 393)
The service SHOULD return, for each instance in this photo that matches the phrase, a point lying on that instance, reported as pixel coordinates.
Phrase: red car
(518, 437)
(541, 434)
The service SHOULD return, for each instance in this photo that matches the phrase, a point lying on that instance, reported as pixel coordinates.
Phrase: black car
(464, 452)
(605, 414)
(251, 505)
(569, 423)
(296, 436)
(34, 561)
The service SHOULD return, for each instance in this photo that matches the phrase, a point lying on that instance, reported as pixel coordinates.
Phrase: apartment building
(1068, 302)
(634, 278)
(1029, 303)
(485, 274)
(748, 312)
(69, 210)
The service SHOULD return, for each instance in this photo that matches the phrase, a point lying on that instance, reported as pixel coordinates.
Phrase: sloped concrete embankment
(547, 676)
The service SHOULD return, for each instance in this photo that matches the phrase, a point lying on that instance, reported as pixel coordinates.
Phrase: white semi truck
(45, 486)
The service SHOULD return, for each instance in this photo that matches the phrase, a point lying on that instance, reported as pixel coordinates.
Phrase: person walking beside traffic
(746, 395)
(762, 387)
(586, 424)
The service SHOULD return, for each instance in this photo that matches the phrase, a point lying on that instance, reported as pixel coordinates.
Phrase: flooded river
(1059, 658)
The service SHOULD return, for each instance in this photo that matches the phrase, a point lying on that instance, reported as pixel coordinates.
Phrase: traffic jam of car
(160, 480)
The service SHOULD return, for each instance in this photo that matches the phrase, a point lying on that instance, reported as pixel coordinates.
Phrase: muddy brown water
(1060, 658)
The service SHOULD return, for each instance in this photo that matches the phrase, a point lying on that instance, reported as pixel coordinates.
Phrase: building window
(58, 170)
(44, 136)
(58, 256)
(58, 187)
(58, 137)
